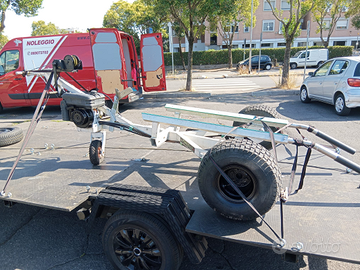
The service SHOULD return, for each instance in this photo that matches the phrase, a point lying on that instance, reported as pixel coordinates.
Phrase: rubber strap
(271, 133)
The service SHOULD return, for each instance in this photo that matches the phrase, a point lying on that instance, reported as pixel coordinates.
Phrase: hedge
(215, 57)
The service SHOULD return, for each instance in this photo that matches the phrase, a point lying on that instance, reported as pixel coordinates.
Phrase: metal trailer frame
(202, 137)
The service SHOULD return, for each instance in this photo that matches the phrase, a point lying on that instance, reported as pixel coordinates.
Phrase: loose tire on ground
(10, 135)
(134, 240)
(262, 111)
(95, 152)
(251, 167)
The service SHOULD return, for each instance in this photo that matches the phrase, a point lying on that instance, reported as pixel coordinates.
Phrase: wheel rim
(99, 151)
(136, 249)
(303, 94)
(242, 178)
(268, 67)
(3, 130)
(339, 104)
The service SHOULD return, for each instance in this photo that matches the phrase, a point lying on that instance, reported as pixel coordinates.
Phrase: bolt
(88, 188)
(32, 151)
(46, 146)
(9, 194)
(348, 170)
(52, 146)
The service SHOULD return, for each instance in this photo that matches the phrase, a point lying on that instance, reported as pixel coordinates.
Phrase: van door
(109, 61)
(152, 62)
(12, 87)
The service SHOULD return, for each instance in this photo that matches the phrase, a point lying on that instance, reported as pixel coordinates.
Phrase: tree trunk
(230, 56)
(190, 63)
(286, 65)
(181, 54)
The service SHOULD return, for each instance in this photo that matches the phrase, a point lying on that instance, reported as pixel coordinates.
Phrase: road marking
(218, 85)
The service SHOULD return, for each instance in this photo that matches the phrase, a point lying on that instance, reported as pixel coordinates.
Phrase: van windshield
(297, 54)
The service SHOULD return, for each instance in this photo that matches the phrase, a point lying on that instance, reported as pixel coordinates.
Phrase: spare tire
(262, 111)
(10, 135)
(251, 167)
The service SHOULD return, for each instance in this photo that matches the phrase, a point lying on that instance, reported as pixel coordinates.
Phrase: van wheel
(95, 152)
(293, 65)
(340, 105)
(253, 170)
(304, 96)
(259, 110)
(11, 135)
(319, 64)
(135, 240)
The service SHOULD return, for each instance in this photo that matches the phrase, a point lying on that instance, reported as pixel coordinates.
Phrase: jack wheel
(95, 152)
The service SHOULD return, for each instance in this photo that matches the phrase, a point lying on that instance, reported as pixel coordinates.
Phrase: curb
(182, 94)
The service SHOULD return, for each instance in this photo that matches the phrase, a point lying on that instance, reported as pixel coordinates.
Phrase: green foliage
(3, 40)
(216, 57)
(356, 21)
(28, 8)
(39, 28)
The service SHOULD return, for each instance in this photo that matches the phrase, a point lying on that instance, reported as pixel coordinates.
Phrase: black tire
(259, 110)
(10, 135)
(293, 65)
(267, 67)
(1, 108)
(319, 64)
(143, 241)
(340, 105)
(95, 153)
(252, 168)
(304, 96)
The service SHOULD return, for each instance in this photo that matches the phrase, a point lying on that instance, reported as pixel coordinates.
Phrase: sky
(77, 14)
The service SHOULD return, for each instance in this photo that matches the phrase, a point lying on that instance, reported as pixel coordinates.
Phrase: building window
(326, 24)
(339, 43)
(281, 44)
(235, 29)
(285, 5)
(247, 45)
(246, 29)
(301, 44)
(268, 26)
(280, 28)
(267, 7)
(213, 40)
(266, 45)
(341, 24)
(355, 44)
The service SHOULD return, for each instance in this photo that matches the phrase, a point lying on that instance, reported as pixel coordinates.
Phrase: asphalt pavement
(38, 238)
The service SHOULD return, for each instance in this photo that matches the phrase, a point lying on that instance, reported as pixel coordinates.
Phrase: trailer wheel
(95, 152)
(251, 167)
(262, 111)
(134, 240)
(10, 135)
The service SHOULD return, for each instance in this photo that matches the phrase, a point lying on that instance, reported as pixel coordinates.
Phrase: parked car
(315, 57)
(265, 62)
(336, 82)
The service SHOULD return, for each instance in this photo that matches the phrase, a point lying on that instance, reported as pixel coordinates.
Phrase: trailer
(239, 176)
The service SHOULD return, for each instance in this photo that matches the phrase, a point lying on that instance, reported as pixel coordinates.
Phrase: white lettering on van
(40, 42)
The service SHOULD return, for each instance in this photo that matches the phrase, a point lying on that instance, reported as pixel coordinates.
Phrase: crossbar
(272, 122)
(220, 129)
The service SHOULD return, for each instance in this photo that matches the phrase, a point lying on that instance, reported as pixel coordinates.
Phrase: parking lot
(44, 238)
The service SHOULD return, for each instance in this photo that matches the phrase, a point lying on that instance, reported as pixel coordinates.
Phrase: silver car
(336, 82)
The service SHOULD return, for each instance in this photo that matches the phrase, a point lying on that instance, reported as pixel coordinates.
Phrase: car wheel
(304, 96)
(340, 105)
(267, 67)
(293, 65)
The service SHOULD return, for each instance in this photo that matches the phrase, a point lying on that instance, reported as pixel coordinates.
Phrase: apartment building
(344, 33)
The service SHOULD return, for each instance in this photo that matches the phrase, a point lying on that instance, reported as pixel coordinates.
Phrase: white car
(336, 82)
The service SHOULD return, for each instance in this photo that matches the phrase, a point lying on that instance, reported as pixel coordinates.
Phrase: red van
(109, 62)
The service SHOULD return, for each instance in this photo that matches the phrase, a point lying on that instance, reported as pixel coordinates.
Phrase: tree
(228, 19)
(27, 7)
(3, 40)
(39, 28)
(179, 33)
(134, 18)
(326, 14)
(290, 28)
(191, 16)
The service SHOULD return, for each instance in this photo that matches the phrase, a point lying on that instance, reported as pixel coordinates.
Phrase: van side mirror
(311, 74)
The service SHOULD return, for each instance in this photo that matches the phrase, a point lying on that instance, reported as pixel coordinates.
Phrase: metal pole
(171, 47)
(307, 43)
(260, 51)
(251, 30)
